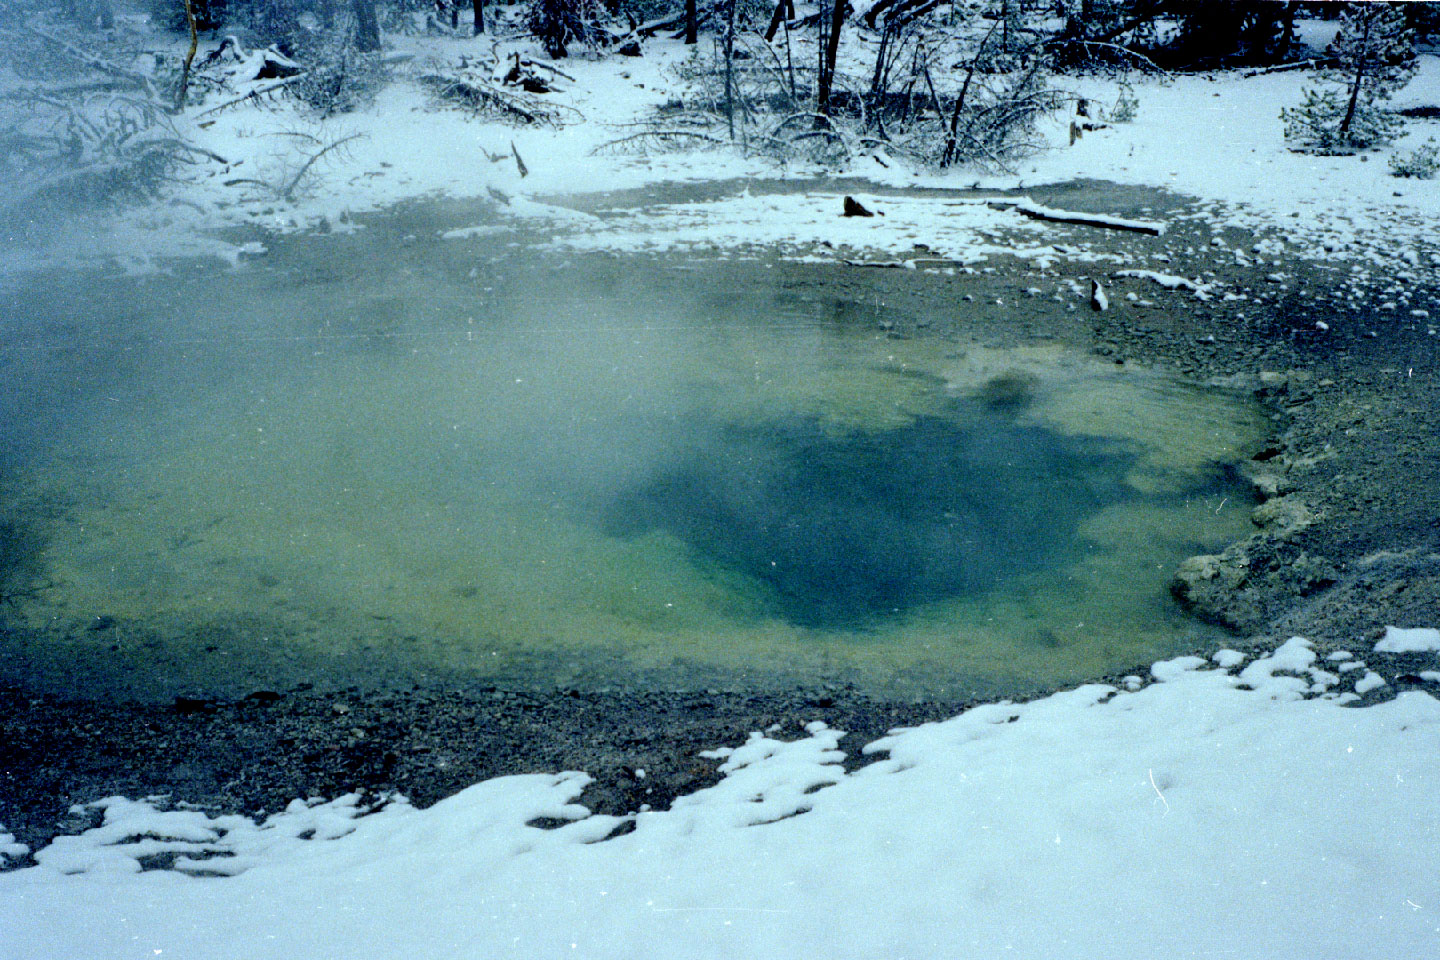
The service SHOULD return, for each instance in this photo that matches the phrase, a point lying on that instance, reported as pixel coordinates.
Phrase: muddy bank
(1346, 539)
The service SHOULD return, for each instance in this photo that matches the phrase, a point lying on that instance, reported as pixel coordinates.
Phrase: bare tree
(367, 27)
(830, 47)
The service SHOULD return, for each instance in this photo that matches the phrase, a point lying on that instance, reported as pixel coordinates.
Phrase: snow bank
(1400, 640)
(1219, 137)
(1204, 813)
(932, 230)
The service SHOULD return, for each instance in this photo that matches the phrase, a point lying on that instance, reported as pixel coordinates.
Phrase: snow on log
(1169, 281)
(1098, 300)
(1035, 211)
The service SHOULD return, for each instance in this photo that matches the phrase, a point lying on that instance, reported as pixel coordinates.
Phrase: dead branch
(651, 138)
(1027, 207)
(255, 94)
(483, 97)
(94, 62)
(288, 192)
(1287, 67)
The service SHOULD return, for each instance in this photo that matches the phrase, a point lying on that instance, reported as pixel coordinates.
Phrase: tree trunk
(775, 20)
(729, 65)
(1362, 60)
(180, 90)
(367, 28)
(690, 18)
(827, 66)
(479, 17)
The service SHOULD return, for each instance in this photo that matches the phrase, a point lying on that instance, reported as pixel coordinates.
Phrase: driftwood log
(1027, 207)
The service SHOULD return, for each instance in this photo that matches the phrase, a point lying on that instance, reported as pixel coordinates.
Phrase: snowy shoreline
(1214, 137)
(1212, 834)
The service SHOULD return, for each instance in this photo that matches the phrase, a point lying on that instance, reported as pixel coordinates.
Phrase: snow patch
(1371, 681)
(1402, 640)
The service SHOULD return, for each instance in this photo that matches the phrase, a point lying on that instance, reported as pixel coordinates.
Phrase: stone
(1282, 515)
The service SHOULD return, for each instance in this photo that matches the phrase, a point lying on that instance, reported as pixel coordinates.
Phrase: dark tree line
(1174, 34)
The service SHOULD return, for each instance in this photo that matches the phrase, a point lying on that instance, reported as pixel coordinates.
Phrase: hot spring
(377, 458)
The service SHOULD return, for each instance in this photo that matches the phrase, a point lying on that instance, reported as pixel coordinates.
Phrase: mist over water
(376, 454)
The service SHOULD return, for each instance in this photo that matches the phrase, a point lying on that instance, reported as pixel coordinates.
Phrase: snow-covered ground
(1225, 810)
(1216, 137)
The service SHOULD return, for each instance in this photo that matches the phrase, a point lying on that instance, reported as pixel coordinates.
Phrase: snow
(1228, 658)
(1371, 681)
(9, 848)
(1169, 281)
(1194, 814)
(1216, 137)
(1401, 640)
(962, 231)
(1219, 137)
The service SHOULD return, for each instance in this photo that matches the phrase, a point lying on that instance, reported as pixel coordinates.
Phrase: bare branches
(254, 95)
(289, 191)
(286, 179)
(496, 102)
(92, 61)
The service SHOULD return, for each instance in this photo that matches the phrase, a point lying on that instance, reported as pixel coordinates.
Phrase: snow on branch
(1169, 281)
(1035, 211)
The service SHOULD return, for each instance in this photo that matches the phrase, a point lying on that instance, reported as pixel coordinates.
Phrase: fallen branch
(652, 27)
(483, 97)
(255, 94)
(638, 140)
(1287, 67)
(289, 190)
(1169, 281)
(1029, 208)
(910, 264)
(94, 62)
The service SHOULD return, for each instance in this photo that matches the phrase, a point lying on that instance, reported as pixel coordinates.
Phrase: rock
(853, 208)
(1282, 515)
(1098, 300)
(1194, 571)
(189, 705)
(1271, 485)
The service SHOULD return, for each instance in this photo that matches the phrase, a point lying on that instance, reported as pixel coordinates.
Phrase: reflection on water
(435, 458)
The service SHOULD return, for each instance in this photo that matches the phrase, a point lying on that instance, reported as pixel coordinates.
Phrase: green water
(371, 457)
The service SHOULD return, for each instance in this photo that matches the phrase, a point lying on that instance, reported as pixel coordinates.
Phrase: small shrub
(1127, 105)
(1317, 125)
(1422, 163)
(1373, 56)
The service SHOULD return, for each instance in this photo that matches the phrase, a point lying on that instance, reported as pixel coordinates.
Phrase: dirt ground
(1346, 541)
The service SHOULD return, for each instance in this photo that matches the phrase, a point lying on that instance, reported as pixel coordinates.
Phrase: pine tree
(1374, 55)
(559, 23)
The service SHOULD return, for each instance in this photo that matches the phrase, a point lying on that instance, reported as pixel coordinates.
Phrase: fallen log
(255, 94)
(1029, 208)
